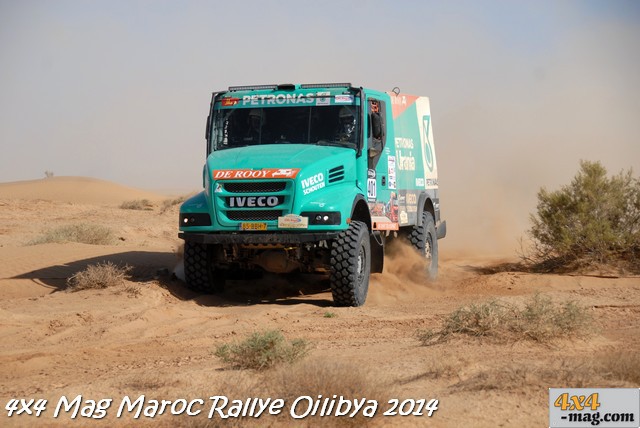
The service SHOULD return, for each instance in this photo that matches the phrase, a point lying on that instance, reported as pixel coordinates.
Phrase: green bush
(262, 350)
(593, 220)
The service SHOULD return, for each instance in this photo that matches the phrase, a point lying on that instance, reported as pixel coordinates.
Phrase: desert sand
(154, 337)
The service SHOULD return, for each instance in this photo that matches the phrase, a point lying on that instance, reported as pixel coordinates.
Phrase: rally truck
(315, 178)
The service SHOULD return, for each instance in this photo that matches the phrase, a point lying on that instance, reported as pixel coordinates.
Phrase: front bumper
(257, 238)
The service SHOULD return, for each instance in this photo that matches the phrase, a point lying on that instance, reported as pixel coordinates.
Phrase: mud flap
(377, 252)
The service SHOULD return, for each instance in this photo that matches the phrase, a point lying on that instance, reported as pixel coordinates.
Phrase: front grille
(254, 215)
(253, 201)
(255, 187)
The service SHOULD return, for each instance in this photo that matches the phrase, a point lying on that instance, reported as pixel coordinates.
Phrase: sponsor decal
(280, 99)
(324, 99)
(404, 153)
(378, 225)
(412, 202)
(399, 103)
(250, 174)
(428, 151)
(347, 99)
(286, 173)
(293, 221)
(230, 101)
(254, 201)
(404, 218)
(420, 182)
(392, 171)
(218, 188)
(313, 183)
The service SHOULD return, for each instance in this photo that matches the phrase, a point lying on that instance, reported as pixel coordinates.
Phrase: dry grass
(148, 384)
(169, 203)
(236, 385)
(84, 233)
(539, 320)
(329, 379)
(604, 371)
(138, 204)
(624, 366)
(101, 275)
(311, 378)
(262, 350)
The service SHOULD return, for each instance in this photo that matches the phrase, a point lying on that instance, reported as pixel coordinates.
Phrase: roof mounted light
(252, 88)
(286, 87)
(325, 85)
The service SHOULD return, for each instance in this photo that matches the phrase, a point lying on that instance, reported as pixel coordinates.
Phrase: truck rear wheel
(198, 268)
(351, 265)
(423, 238)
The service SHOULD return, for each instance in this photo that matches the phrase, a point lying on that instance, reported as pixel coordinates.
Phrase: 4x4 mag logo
(428, 148)
(577, 402)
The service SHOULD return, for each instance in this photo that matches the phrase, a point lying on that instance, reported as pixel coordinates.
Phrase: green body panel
(392, 183)
(313, 162)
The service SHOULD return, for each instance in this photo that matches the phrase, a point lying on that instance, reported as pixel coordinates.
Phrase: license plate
(253, 226)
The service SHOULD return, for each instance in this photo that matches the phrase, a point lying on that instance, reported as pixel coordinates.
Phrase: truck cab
(313, 178)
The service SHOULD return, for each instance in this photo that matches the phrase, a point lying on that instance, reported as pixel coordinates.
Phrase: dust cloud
(403, 277)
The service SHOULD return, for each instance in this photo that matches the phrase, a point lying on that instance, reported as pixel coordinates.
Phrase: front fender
(197, 204)
(329, 199)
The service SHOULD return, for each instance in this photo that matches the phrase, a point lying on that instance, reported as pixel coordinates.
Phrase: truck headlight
(323, 218)
(195, 219)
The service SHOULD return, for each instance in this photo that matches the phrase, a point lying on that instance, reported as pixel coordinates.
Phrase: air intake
(336, 174)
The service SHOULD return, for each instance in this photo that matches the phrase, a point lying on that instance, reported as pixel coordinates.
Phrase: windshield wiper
(335, 143)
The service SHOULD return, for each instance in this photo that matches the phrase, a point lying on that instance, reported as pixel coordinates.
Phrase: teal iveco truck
(314, 178)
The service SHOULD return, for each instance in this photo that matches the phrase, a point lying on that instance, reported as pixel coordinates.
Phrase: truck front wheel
(423, 238)
(351, 265)
(199, 268)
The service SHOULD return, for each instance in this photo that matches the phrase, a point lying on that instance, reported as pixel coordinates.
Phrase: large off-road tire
(199, 270)
(351, 265)
(423, 237)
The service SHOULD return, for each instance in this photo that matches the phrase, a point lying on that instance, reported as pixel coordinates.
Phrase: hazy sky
(520, 91)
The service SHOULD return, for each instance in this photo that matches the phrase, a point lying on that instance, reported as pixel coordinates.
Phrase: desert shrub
(84, 233)
(138, 204)
(593, 220)
(539, 319)
(101, 275)
(168, 203)
(262, 350)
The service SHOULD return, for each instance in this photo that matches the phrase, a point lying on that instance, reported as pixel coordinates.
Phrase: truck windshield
(333, 125)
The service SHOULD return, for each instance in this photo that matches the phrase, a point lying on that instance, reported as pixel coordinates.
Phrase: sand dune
(79, 190)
